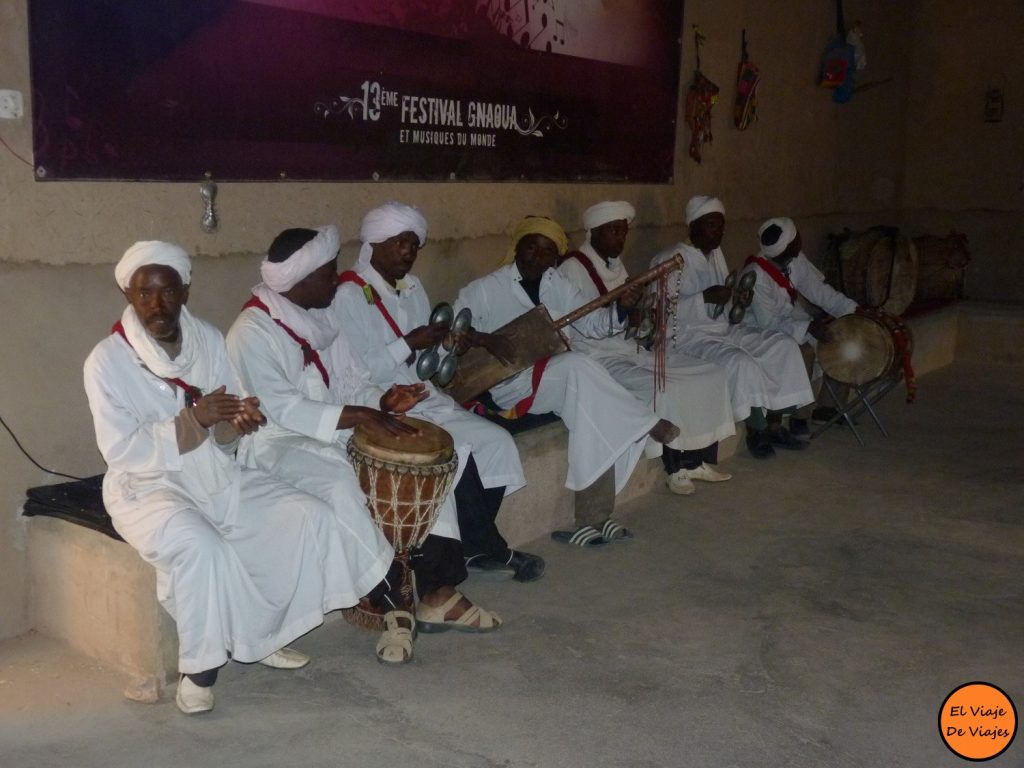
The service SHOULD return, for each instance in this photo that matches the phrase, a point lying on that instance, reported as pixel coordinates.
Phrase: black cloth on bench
(80, 502)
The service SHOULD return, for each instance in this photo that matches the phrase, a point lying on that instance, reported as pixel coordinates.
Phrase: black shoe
(527, 567)
(759, 444)
(784, 439)
(521, 566)
(799, 427)
(822, 414)
(492, 568)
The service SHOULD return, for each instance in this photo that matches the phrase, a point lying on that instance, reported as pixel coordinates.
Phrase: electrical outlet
(11, 107)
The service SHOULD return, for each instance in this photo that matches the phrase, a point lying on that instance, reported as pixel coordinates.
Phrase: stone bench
(99, 596)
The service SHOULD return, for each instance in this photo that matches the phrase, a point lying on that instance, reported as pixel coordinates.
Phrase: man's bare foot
(664, 432)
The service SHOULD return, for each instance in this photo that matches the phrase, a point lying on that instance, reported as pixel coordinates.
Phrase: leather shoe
(759, 444)
(285, 658)
(192, 699)
(799, 427)
(527, 567)
(679, 483)
(521, 566)
(782, 438)
(707, 474)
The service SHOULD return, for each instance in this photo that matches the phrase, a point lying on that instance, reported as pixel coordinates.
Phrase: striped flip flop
(586, 537)
(612, 531)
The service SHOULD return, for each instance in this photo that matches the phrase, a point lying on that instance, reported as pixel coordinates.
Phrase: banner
(358, 90)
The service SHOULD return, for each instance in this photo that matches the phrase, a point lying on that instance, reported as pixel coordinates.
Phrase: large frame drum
(863, 347)
(876, 268)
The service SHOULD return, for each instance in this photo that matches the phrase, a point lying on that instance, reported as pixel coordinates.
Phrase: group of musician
(227, 458)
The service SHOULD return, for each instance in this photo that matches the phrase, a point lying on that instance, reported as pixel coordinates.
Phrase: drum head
(431, 446)
(860, 350)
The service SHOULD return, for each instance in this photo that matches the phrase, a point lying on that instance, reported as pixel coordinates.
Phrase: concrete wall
(825, 164)
(961, 171)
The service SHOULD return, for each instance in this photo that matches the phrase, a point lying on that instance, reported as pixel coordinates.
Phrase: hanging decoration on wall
(702, 95)
(748, 77)
(209, 222)
(838, 63)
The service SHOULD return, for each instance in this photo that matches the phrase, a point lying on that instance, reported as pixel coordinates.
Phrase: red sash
(523, 406)
(372, 297)
(192, 393)
(588, 265)
(775, 274)
(309, 355)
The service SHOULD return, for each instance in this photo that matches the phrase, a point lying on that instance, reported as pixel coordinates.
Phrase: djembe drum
(405, 478)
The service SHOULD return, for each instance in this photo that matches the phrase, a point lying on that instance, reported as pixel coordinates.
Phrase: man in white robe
(607, 425)
(784, 275)
(287, 349)
(765, 368)
(696, 394)
(244, 562)
(385, 312)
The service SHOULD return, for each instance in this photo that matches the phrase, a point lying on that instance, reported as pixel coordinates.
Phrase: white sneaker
(679, 483)
(191, 699)
(285, 658)
(707, 473)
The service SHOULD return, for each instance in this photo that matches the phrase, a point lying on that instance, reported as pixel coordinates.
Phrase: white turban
(607, 212)
(788, 236)
(148, 252)
(387, 221)
(283, 275)
(702, 205)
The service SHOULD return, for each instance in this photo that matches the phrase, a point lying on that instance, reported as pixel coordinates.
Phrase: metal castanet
(534, 336)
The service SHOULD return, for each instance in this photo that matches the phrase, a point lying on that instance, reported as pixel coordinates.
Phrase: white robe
(696, 396)
(301, 443)
(607, 425)
(384, 356)
(244, 563)
(765, 368)
(773, 310)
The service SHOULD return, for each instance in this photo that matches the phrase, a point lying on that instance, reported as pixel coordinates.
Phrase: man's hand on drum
(426, 336)
(403, 397)
(717, 294)
(351, 415)
(819, 329)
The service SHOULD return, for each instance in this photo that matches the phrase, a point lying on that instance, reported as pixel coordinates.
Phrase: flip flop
(612, 531)
(586, 537)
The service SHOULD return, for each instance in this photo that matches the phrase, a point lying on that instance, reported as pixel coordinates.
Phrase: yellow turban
(537, 225)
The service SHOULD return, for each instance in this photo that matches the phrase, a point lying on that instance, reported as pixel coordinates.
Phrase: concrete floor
(815, 612)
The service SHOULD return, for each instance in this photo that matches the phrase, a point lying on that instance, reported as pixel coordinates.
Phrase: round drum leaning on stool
(405, 478)
(868, 346)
